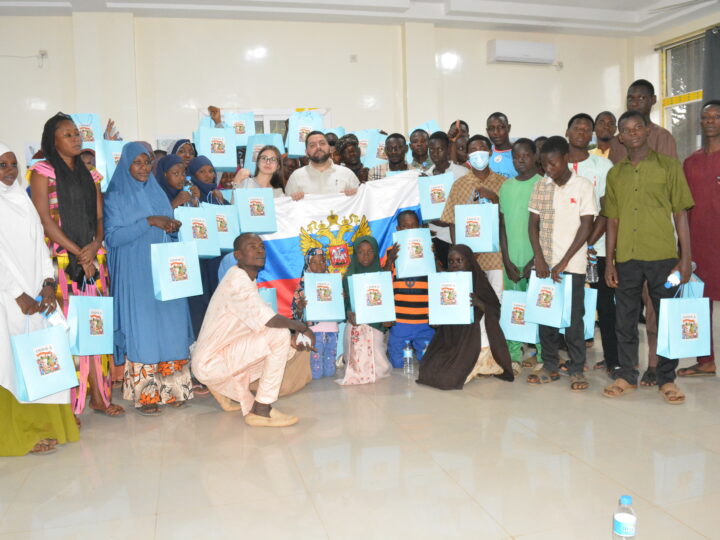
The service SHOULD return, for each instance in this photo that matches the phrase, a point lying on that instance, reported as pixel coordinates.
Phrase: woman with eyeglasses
(268, 172)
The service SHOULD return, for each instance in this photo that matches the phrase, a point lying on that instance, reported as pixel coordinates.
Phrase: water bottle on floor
(624, 520)
(591, 274)
(408, 366)
(673, 280)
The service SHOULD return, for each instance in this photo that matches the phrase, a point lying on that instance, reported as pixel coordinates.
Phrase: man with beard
(395, 150)
(320, 175)
(605, 128)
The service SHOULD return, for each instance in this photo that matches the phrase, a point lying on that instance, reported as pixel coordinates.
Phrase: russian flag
(333, 222)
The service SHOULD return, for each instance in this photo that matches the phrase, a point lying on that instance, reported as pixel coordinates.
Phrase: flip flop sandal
(649, 378)
(619, 388)
(178, 404)
(578, 383)
(672, 391)
(516, 368)
(105, 413)
(542, 377)
(600, 365)
(149, 410)
(46, 448)
(530, 362)
(694, 371)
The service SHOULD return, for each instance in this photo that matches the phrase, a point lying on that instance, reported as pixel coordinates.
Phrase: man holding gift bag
(562, 210)
(643, 191)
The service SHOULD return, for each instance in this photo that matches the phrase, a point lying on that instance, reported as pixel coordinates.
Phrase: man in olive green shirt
(646, 192)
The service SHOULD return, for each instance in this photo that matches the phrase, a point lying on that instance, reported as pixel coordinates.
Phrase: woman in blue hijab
(170, 175)
(152, 337)
(204, 177)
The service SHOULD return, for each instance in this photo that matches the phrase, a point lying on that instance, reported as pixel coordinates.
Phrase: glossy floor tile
(390, 460)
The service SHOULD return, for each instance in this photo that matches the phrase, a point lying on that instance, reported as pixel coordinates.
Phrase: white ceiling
(609, 17)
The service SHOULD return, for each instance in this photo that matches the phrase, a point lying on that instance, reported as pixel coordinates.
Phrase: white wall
(153, 75)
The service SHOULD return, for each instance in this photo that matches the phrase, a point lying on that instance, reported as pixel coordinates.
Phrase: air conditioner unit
(523, 52)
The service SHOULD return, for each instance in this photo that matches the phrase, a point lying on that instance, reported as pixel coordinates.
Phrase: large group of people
(627, 201)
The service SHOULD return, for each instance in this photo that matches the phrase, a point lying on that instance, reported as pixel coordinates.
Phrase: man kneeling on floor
(242, 340)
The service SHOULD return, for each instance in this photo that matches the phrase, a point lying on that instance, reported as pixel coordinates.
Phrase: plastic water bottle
(56, 318)
(673, 280)
(408, 367)
(591, 274)
(425, 348)
(624, 519)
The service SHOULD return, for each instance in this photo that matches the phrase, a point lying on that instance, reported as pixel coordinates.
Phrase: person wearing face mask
(479, 185)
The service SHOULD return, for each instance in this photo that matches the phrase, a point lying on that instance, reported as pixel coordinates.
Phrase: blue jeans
(322, 362)
(419, 335)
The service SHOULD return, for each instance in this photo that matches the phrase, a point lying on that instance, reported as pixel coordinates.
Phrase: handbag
(415, 256)
(449, 298)
(684, 326)
(590, 300)
(513, 321)
(91, 324)
(478, 227)
(227, 223)
(256, 210)
(323, 293)
(547, 302)
(218, 145)
(175, 270)
(434, 191)
(199, 227)
(372, 297)
(300, 124)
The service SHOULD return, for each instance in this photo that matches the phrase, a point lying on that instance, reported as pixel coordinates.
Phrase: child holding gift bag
(411, 303)
(562, 210)
(68, 199)
(364, 343)
(322, 360)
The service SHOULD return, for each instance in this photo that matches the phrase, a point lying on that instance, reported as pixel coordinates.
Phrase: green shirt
(514, 199)
(643, 198)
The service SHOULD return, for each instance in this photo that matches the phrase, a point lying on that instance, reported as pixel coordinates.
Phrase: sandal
(178, 404)
(542, 377)
(112, 410)
(649, 378)
(578, 382)
(695, 371)
(531, 361)
(516, 368)
(44, 447)
(600, 365)
(619, 388)
(672, 394)
(149, 410)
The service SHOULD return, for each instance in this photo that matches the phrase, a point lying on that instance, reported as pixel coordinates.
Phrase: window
(274, 120)
(682, 92)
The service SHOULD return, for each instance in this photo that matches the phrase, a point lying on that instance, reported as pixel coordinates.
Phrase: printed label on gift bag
(178, 269)
(116, 158)
(199, 229)
(222, 223)
(217, 145)
(239, 128)
(437, 194)
(373, 295)
(690, 326)
(545, 297)
(86, 133)
(517, 316)
(96, 322)
(415, 249)
(256, 151)
(363, 147)
(472, 227)
(324, 292)
(257, 207)
(380, 154)
(303, 133)
(448, 295)
(47, 360)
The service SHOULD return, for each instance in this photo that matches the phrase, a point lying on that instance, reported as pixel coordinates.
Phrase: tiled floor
(388, 460)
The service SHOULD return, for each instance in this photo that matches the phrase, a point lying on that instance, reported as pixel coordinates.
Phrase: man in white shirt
(320, 175)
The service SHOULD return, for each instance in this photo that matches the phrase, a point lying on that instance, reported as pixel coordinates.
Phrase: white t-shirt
(252, 183)
(595, 169)
(309, 180)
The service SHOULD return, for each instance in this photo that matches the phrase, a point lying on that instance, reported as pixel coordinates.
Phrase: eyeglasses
(268, 159)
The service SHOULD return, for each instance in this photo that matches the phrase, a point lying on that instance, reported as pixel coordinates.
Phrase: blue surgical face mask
(479, 160)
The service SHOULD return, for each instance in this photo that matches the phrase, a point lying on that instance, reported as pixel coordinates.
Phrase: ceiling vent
(520, 52)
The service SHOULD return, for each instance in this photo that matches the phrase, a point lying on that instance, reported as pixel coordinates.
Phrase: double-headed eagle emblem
(336, 236)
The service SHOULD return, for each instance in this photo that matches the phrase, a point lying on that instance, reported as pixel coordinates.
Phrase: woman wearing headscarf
(455, 348)
(185, 149)
(170, 175)
(67, 197)
(364, 343)
(152, 335)
(26, 272)
(204, 177)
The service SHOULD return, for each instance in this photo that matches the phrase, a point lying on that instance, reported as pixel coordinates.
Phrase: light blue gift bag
(256, 210)
(478, 227)
(218, 145)
(372, 297)
(43, 363)
(269, 296)
(695, 288)
(227, 223)
(92, 134)
(375, 151)
(113, 150)
(323, 293)
(242, 124)
(91, 325)
(198, 227)
(434, 191)
(300, 124)
(512, 318)
(175, 270)
(415, 256)
(684, 327)
(255, 144)
(431, 126)
(449, 298)
(365, 137)
(549, 303)
(339, 131)
(589, 317)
